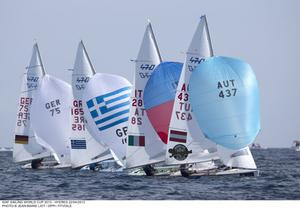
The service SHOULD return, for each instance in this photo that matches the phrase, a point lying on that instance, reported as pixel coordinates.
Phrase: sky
(265, 33)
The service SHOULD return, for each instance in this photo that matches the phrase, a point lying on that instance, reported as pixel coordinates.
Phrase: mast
(208, 34)
(89, 60)
(40, 58)
(154, 40)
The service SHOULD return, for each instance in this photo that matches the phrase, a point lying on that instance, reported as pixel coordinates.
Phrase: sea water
(279, 179)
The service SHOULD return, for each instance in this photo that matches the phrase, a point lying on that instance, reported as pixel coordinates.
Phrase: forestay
(25, 146)
(144, 146)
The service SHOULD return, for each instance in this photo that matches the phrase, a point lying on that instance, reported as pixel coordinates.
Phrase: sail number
(24, 114)
(183, 96)
(53, 107)
(137, 108)
(184, 111)
(227, 88)
(78, 123)
(122, 133)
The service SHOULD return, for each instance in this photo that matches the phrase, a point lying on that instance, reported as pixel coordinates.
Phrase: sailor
(93, 166)
(149, 170)
(35, 164)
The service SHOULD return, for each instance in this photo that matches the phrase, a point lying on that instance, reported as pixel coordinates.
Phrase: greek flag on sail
(110, 109)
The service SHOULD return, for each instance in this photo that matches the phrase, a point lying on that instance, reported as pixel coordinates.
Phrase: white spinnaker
(237, 158)
(51, 116)
(183, 121)
(28, 149)
(84, 148)
(106, 109)
(139, 125)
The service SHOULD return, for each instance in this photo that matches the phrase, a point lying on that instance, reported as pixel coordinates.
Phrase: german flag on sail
(178, 136)
(21, 139)
(136, 141)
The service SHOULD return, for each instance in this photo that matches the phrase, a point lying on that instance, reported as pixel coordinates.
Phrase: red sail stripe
(142, 141)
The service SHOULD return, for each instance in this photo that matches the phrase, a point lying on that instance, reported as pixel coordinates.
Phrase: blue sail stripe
(90, 103)
(100, 99)
(104, 109)
(117, 99)
(111, 116)
(113, 124)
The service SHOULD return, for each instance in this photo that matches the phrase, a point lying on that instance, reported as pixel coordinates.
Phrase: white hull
(209, 172)
(233, 171)
(159, 171)
(297, 149)
(5, 149)
(48, 165)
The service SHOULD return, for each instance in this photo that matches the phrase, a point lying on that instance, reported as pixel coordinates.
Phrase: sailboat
(296, 145)
(186, 143)
(51, 117)
(106, 108)
(144, 146)
(25, 146)
(225, 101)
(85, 149)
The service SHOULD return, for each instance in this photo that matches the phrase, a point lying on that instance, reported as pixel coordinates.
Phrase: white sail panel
(106, 108)
(144, 146)
(237, 158)
(186, 143)
(51, 116)
(84, 148)
(25, 146)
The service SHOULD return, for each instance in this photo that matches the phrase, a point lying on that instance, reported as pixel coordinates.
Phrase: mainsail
(25, 146)
(144, 146)
(51, 116)
(106, 106)
(186, 143)
(84, 148)
(159, 96)
(226, 104)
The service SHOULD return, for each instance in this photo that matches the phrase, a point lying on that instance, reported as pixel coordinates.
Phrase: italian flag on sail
(136, 141)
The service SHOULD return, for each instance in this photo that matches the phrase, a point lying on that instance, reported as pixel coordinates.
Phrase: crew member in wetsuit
(149, 170)
(35, 164)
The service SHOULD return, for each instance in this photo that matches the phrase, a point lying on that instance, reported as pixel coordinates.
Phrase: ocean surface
(279, 179)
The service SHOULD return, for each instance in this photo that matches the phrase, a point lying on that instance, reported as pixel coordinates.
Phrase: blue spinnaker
(225, 100)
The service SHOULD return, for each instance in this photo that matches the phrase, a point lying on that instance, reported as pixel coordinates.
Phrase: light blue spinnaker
(225, 100)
